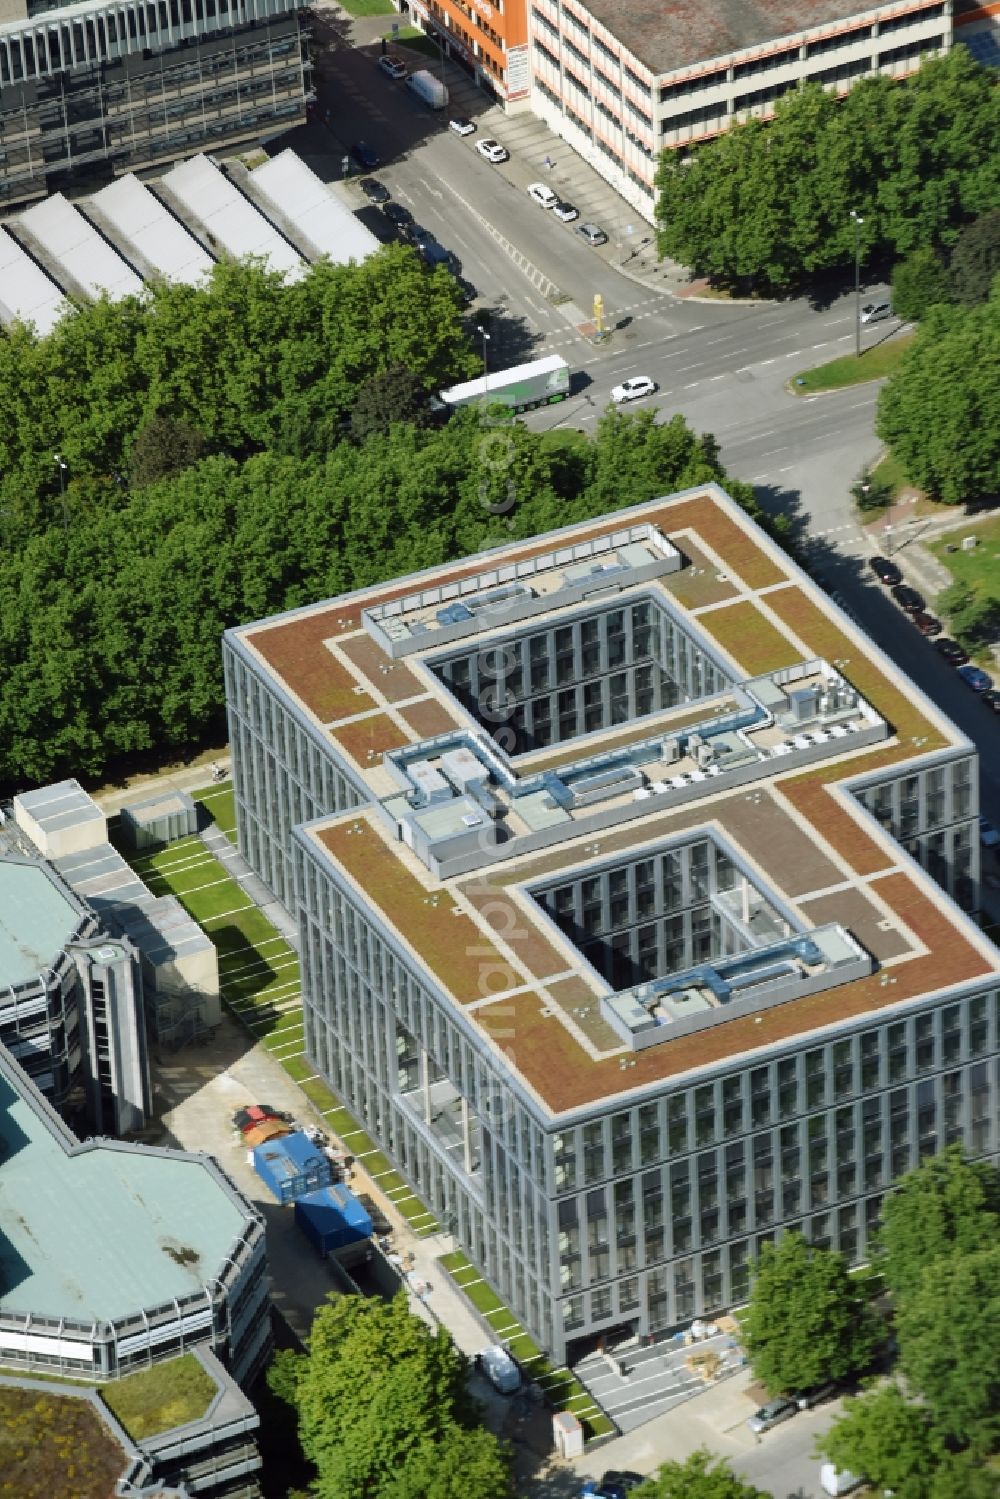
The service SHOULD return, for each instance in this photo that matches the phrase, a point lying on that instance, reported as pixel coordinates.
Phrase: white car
(394, 66)
(542, 195)
(499, 1368)
(461, 125)
(565, 212)
(874, 312)
(631, 390)
(493, 151)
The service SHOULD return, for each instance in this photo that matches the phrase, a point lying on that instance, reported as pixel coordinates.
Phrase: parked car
(593, 234)
(397, 215)
(988, 835)
(500, 1369)
(461, 125)
(926, 623)
(542, 195)
(414, 233)
(632, 390)
(874, 312)
(772, 1414)
(908, 598)
(976, 678)
(887, 572)
(623, 1479)
(953, 653)
(365, 156)
(565, 212)
(991, 698)
(374, 190)
(806, 1400)
(838, 1481)
(493, 151)
(394, 66)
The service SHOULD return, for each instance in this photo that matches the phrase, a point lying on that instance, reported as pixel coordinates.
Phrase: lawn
(368, 7)
(157, 1399)
(874, 364)
(980, 568)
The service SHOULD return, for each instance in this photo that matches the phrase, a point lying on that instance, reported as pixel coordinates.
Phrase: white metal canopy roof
(76, 247)
(326, 225)
(27, 295)
(229, 219)
(139, 220)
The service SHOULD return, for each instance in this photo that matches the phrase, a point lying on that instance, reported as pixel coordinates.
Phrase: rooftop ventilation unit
(670, 751)
(606, 784)
(429, 785)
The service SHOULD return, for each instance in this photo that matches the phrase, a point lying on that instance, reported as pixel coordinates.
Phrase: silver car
(593, 234)
(770, 1415)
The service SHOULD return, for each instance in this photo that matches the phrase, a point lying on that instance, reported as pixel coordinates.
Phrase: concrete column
(425, 1083)
(466, 1136)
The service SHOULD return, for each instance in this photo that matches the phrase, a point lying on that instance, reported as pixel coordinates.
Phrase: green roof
(37, 918)
(103, 1230)
(158, 1399)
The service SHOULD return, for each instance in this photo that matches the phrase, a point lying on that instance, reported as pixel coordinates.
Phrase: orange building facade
(489, 38)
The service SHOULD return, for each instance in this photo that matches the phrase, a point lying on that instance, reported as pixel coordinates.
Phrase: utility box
(336, 1223)
(292, 1167)
(567, 1434)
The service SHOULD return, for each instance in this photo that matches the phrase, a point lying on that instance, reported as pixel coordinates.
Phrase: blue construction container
(291, 1166)
(333, 1219)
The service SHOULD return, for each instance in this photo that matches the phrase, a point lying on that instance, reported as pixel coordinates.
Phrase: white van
(837, 1481)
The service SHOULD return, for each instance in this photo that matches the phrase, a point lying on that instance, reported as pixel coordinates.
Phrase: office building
(631, 879)
(103, 87)
(620, 82)
(488, 39)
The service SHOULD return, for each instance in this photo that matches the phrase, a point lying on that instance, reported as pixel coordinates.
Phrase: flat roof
(315, 214)
(668, 36)
(774, 794)
(146, 229)
(229, 221)
(102, 1230)
(37, 918)
(27, 294)
(76, 248)
(61, 804)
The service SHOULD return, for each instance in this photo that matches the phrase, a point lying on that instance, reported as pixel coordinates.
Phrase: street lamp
(486, 371)
(858, 221)
(63, 466)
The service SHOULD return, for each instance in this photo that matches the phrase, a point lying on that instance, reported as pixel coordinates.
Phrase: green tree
(871, 492)
(919, 282)
(975, 260)
(946, 1206)
(974, 614)
(949, 1346)
(807, 1320)
(391, 396)
(164, 446)
(886, 1439)
(699, 1477)
(940, 411)
(382, 1435)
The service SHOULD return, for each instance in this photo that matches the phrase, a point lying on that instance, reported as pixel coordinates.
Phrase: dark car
(806, 1400)
(622, 1479)
(926, 623)
(953, 653)
(414, 233)
(887, 572)
(373, 190)
(991, 699)
(397, 215)
(976, 678)
(365, 155)
(908, 598)
(771, 1415)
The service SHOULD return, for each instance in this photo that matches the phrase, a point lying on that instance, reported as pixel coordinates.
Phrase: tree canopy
(946, 1206)
(699, 1477)
(770, 204)
(383, 1408)
(808, 1322)
(236, 457)
(886, 1438)
(940, 411)
(949, 1346)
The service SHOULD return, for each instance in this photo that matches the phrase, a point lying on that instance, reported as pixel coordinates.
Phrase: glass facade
(932, 810)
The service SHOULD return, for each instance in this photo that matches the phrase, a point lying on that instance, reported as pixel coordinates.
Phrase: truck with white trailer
(521, 388)
(427, 87)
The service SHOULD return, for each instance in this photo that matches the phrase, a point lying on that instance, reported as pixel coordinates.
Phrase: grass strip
(874, 364)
